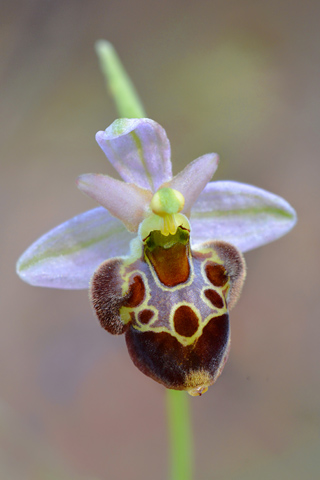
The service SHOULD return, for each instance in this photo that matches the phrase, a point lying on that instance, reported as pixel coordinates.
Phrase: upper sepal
(241, 214)
(67, 256)
(139, 150)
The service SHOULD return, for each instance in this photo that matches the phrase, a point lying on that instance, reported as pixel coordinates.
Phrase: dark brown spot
(171, 264)
(214, 298)
(216, 274)
(185, 321)
(145, 316)
(136, 293)
(163, 358)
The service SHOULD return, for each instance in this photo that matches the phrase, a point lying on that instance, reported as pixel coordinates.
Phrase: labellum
(171, 302)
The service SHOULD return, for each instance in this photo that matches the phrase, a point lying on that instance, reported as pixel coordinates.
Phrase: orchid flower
(162, 255)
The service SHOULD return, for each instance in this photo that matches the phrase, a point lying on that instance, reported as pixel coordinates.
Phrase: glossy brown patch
(214, 298)
(163, 358)
(185, 321)
(145, 316)
(171, 264)
(216, 274)
(136, 293)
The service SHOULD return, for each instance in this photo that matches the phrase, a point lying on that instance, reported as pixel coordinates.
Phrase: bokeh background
(237, 77)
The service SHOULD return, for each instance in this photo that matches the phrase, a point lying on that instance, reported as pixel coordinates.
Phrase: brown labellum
(173, 305)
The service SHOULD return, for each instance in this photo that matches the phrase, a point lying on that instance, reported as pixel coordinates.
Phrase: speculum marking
(216, 274)
(185, 321)
(214, 298)
(136, 293)
(145, 316)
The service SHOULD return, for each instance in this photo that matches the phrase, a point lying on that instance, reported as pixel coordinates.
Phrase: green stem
(118, 82)
(180, 435)
(129, 105)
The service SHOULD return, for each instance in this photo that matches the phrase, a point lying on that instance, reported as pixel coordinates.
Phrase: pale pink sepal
(241, 214)
(139, 150)
(67, 256)
(193, 178)
(125, 201)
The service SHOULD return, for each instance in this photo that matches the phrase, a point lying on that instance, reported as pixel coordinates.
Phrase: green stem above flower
(118, 82)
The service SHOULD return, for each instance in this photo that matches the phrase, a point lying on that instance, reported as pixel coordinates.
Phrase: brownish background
(237, 77)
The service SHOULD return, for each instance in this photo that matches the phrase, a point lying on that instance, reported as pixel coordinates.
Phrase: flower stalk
(118, 82)
(180, 436)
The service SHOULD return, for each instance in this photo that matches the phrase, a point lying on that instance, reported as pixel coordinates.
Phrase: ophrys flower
(169, 296)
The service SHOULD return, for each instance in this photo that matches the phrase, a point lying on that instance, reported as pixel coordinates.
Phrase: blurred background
(240, 78)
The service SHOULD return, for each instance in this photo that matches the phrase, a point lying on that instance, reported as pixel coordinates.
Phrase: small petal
(67, 256)
(241, 214)
(139, 150)
(193, 178)
(126, 201)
